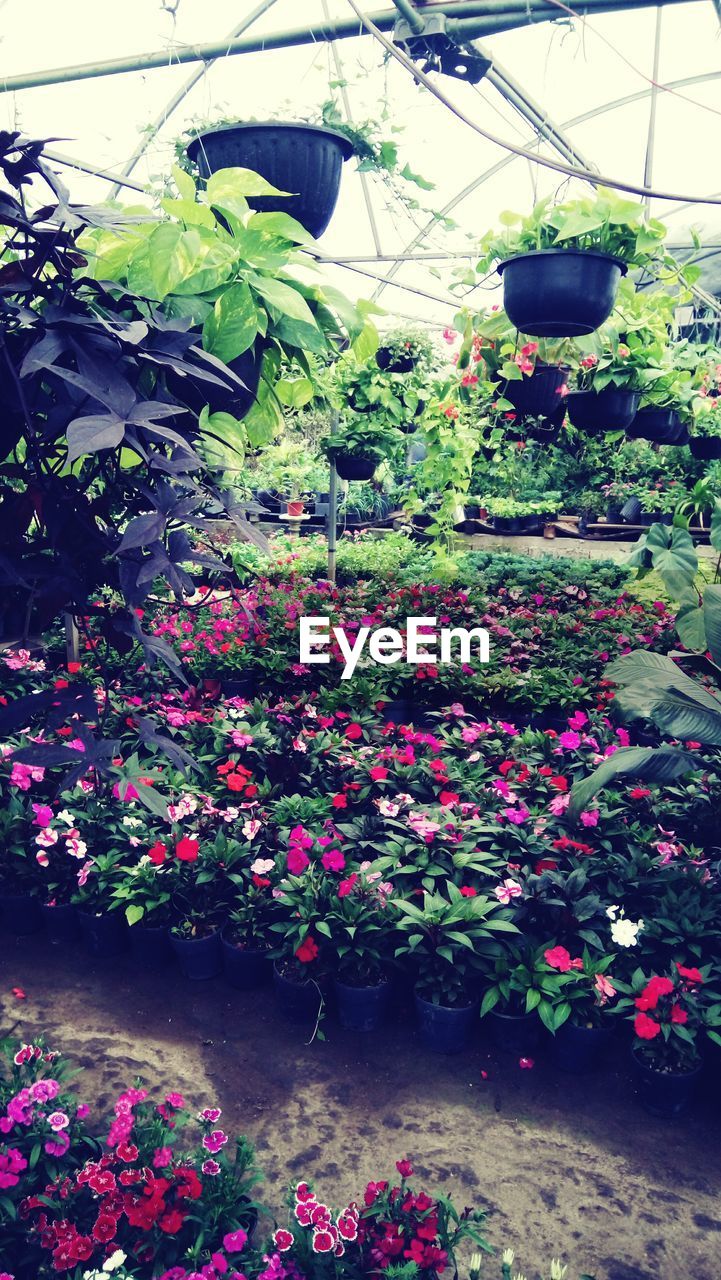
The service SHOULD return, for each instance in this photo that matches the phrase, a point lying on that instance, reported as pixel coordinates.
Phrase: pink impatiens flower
(508, 890)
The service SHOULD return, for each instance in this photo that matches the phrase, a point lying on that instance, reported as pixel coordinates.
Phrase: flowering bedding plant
(672, 1014)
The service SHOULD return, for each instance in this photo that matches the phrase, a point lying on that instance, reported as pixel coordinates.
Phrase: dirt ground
(566, 1166)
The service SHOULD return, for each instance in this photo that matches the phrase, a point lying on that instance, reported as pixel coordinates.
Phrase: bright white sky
(568, 70)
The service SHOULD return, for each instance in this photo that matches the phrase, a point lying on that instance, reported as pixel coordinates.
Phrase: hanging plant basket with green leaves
(561, 266)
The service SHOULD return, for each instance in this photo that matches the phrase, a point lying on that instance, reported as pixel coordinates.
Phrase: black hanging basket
(304, 159)
(539, 394)
(662, 426)
(612, 409)
(705, 448)
(390, 363)
(355, 466)
(560, 293)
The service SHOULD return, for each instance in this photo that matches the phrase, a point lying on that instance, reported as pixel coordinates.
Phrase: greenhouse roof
(578, 90)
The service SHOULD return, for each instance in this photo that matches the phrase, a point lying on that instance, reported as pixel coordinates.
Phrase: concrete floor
(566, 1166)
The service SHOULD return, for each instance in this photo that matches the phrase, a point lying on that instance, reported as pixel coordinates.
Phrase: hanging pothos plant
(243, 281)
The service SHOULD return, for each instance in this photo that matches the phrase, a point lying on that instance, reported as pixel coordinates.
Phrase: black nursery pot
(297, 1001)
(20, 913)
(514, 1032)
(150, 944)
(355, 466)
(199, 958)
(662, 1093)
(306, 160)
(612, 409)
(61, 923)
(631, 511)
(240, 687)
(400, 711)
(560, 293)
(362, 1008)
(538, 394)
(705, 448)
(245, 967)
(509, 524)
(445, 1030)
(579, 1049)
(662, 426)
(103, 935)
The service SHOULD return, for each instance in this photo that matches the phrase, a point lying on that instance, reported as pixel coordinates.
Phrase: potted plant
(395, 397)
(444, 941)
(402, 350)
(667, 405)
(359, 927)
(621, 360)
(521, 995)
(561, 265)
(659, 505)
(103, 930)
(577, 1013)
(705, 442)
(299, 954)
(300, 165)
(247, 938)
(143, 894)
(359, 446)
(19, 898)
(61, 854)
(202, 866)
(668, 1023)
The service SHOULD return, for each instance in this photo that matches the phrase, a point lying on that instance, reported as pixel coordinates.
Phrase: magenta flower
(234, 1241)
(213, 1142)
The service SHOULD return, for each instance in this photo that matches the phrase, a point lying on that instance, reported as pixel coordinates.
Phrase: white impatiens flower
(612, 912)
(625, 932)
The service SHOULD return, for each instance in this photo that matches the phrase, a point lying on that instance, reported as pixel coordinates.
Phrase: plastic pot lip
(446, 1008)
(346, 145)
(609, 390)
(666, 1075)
(554, 253)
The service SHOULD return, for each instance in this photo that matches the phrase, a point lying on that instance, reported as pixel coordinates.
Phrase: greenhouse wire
(487, 174)
(596, 179)
(365, 186)
(651, 139)
(174, 102)
(651, 80)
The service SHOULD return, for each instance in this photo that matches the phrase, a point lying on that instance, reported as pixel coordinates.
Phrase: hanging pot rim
(555, 252)
(345, 143)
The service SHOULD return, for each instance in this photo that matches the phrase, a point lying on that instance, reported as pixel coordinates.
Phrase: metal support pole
(72, 639)
(332, 526)
(408, 11)
(486, 17)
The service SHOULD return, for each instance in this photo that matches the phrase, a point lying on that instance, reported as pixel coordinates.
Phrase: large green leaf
(280, 224)
(712, 621)
(690, 627)
(674, 556)
(716, 526)
(688, 721)
(229, 184)
(649, 764)
(162, 261)
(283, 299)
(232, 326)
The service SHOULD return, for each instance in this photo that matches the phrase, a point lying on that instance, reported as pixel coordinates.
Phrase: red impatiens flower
(378, 773)
(158, 853)
(307, 951)
(638, 793)
(679, 1015)
(652, 992)
(559, 783)
(448, 798)
(693, 976)
(187, 849)
(354, 731)
(467, 891)
(340, 802)
(646, 1028)
(558, 958)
